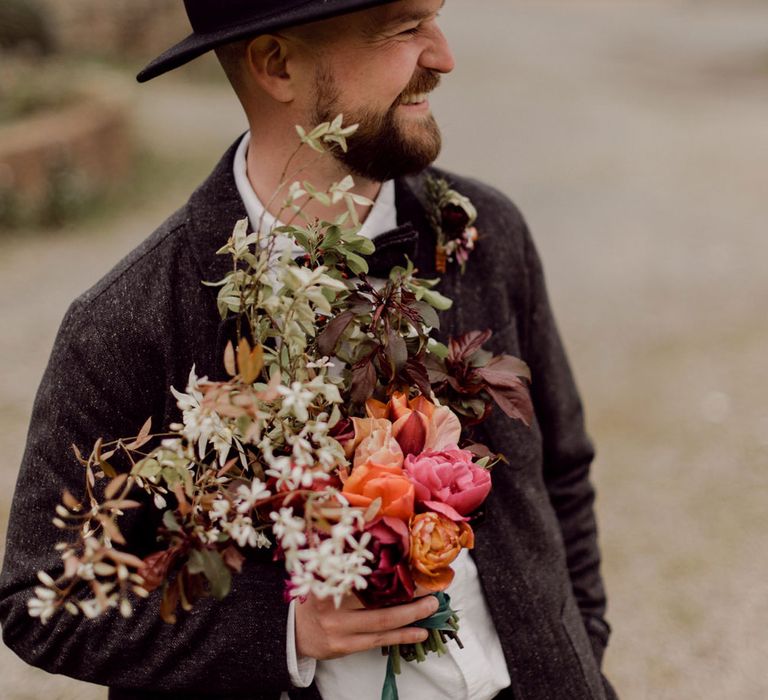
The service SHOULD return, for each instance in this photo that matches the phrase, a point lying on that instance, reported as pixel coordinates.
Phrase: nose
(438, 55)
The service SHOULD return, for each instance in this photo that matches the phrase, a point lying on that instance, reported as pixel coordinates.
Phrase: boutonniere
(452, 216)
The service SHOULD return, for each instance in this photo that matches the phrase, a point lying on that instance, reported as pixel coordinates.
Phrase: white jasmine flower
(43, 605)
(322, 363)
(243, 532)
(296, 400)
(249, 496)
(201, 427)
(289, 529)
(219, 509)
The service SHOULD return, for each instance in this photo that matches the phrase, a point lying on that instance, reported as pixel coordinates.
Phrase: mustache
(423, 82)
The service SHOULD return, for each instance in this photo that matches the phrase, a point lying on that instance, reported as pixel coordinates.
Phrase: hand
(325, 632)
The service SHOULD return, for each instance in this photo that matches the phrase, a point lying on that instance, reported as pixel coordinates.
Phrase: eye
(412, 31)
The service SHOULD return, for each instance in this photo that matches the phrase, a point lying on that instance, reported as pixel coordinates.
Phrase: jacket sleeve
(94, 386)
(568, 452)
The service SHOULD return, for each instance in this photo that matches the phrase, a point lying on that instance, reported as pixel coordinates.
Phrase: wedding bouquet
(339, 439)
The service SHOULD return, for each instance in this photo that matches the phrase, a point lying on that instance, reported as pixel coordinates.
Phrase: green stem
(394, 654)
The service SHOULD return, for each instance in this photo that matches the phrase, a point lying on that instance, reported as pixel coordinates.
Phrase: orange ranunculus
(379, 448)
(367, 482)
(435, 543)
(418, 424)
(363, 428)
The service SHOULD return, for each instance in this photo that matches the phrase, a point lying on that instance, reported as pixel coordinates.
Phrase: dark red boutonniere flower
(452, 216)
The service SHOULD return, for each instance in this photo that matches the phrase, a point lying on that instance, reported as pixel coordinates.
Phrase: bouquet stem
(443, 626)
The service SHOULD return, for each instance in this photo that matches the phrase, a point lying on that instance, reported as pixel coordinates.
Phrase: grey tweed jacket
(124, 342)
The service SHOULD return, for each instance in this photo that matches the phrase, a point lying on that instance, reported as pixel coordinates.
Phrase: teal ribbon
(442, 620)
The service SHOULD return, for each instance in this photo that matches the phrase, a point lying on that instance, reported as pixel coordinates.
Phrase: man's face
(379, 75)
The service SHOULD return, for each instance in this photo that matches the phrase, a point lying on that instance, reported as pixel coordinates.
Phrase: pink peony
(448, 482)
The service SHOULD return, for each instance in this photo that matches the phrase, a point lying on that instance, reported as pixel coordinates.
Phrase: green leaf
(437, 300)
(437, 348)
(360, 244)
(358, 265)
(428, 315)
(169, 520)
(210, 563)
(331, 238)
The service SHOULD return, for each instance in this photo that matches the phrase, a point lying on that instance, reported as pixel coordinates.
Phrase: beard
(381, 148)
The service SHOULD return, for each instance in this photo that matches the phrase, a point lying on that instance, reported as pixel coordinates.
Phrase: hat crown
(207, 16)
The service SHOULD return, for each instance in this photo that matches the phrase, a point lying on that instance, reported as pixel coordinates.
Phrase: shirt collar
(382, 216)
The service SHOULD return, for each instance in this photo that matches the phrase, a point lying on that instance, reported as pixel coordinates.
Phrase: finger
(351, 602)
(404, 635)
(385, 619)
(420, 592)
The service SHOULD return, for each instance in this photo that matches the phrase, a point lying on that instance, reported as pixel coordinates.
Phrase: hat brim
(196, 45)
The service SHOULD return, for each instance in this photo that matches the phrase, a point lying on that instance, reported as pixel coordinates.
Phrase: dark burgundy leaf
(436, 369)
(479, 450)
(505, 370)
(464, 346)
(515, 402)
(363, 381)
(156, 568)
(417, 373)
(233, 559)
(329, 338)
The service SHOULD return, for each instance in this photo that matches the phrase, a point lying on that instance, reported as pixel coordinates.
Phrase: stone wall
(54, 162)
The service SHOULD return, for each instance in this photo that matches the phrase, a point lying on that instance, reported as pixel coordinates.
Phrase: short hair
(231, 57)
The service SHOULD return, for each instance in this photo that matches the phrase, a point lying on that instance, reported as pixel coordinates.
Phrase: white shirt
(477, 672)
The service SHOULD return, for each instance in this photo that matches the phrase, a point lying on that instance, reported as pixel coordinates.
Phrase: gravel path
(633, 135)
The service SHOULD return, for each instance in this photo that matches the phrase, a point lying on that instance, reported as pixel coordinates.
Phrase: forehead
(400, 12)
(376, 20)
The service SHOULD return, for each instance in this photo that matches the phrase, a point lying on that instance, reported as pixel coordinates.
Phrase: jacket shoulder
(148, 261)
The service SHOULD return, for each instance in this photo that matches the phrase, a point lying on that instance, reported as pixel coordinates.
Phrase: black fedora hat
(217, 22)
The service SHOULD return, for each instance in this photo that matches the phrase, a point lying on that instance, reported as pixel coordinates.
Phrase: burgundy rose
(448, 482)
(391, 582)
(454, 220)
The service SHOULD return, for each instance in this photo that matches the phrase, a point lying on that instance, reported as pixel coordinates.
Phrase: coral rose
(448, 482)
(368, 482)
(435, 543)
(390, 582)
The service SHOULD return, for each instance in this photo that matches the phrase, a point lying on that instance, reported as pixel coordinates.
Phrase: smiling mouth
(416, 99)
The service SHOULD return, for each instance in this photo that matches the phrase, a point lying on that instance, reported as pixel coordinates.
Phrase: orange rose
(368, 482)
(435, 543)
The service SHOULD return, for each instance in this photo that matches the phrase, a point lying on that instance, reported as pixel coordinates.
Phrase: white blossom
(200, 426)
(296, 400)
(249, 496)
(330, 568)
(43, 604)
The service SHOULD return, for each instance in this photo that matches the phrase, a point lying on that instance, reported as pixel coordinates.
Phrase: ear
(267, 63)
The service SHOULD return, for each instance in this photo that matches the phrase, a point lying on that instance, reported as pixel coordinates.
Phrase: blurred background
(634, 136)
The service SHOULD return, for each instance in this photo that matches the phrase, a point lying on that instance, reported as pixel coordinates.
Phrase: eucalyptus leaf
(210, 563)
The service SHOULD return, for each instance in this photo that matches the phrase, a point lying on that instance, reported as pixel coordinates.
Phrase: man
(531, 596)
